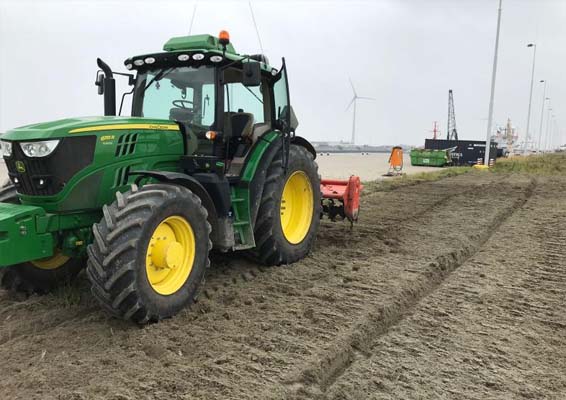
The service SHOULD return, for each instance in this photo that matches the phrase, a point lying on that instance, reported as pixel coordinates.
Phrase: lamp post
(548, 124)
(551, 136)
(527, 134)
(492, 96)
(556, 134)
(542, 114)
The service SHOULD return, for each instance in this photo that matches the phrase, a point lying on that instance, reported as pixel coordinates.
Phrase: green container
(429, 158)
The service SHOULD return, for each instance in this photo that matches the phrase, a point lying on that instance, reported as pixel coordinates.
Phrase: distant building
(342, 147)
(466, 152)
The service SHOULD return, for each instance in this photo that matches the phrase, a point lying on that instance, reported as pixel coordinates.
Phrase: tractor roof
(182, 50)
(197, 42)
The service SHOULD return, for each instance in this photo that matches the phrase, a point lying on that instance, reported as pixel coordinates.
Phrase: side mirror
(293, 120)
(288, 120)
(252, 74)
(99, 82)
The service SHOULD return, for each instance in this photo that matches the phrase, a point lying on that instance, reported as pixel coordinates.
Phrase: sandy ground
(368, 167)
(447, 289)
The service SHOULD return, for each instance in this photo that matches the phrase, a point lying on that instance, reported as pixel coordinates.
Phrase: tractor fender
(187, 181)
(301, 141)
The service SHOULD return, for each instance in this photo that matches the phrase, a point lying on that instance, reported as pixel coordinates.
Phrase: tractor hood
(84, 125)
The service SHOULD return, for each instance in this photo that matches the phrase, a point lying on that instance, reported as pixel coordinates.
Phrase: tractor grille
(126, 144)
(47, 176)
(121, 177)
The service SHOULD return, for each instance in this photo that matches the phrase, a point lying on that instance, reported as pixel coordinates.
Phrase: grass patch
(545, 164)
(413, 179)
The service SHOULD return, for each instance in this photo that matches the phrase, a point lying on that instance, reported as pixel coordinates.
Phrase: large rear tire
(289, 213)
(150, 253)
(40, 276)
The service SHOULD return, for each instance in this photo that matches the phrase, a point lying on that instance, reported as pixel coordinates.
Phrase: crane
(451, 132)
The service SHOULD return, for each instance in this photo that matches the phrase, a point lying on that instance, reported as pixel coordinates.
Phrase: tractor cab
(223, 102)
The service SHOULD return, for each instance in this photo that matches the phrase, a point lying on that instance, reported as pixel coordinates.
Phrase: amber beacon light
(224, 37)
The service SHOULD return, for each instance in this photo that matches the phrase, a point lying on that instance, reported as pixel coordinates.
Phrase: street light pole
(548, 124)
(527, 134)
(492, 96)
(541, 114)
(551, 134)
(556, 134)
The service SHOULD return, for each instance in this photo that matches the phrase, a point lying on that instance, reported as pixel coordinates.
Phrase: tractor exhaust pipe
(107, 86)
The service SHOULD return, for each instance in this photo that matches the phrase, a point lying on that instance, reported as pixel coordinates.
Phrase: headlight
(39, 149)
(5, 149)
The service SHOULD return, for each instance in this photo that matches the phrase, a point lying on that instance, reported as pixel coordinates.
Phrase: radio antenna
(193, 17)
(255, 24)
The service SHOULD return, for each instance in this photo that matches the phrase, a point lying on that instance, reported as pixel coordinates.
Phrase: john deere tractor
(207, 160)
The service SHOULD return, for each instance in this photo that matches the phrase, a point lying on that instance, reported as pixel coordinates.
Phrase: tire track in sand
(314, 378)
(494, 329)
(228, 270)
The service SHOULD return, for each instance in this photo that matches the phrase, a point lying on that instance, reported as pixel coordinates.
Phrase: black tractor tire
(29, 278)
(272, 247)
(117, 258)
(8, 193)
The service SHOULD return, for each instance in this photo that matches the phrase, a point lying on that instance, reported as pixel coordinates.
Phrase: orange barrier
(395, 162)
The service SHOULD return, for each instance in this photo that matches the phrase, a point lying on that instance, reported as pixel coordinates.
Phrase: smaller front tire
(39, 276)
(150, 252)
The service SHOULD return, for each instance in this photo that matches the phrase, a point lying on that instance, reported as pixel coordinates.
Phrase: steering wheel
(182, 103)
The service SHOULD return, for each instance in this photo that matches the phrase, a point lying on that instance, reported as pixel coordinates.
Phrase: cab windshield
(184, 94)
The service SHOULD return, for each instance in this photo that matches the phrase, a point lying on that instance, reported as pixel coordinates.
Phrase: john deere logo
(20, 167)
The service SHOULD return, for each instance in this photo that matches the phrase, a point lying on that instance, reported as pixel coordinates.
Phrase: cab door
(282, 111)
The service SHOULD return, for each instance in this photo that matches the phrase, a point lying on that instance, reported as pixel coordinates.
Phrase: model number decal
(107, 138)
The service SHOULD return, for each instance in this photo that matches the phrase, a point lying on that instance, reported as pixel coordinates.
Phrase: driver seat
(242, 124)
(241, 127)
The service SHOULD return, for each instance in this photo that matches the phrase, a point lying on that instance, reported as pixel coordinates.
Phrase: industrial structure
(354, 102)
(463, 152)
(451, 131)
(506, 139)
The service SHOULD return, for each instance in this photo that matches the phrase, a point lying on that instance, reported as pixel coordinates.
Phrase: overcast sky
(405, 53)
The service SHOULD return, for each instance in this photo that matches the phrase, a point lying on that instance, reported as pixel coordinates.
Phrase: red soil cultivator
(341, 198)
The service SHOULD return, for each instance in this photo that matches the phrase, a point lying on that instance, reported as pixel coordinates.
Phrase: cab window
(183, 94)
(160, 97)
(240, 98)
(280, 96)
(207, 104)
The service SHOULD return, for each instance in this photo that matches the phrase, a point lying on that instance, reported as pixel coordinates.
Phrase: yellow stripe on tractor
(117, 127)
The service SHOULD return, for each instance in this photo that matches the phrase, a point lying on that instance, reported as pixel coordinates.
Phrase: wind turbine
(354, 101)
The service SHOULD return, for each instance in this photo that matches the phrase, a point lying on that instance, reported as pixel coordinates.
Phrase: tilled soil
(447, 289)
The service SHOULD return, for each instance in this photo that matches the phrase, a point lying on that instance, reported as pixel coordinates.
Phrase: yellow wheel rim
(170, 255)
(297, 207)
(54, 262)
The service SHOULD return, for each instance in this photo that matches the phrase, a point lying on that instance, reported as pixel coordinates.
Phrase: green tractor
(208, 160)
